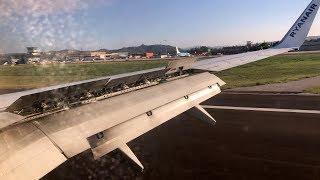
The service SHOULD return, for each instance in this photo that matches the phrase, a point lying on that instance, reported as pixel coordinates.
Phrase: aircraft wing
(34, 141)
(42, 128)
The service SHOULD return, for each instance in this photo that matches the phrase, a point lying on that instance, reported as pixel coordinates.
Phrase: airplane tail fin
(299, 31)
(177, 49)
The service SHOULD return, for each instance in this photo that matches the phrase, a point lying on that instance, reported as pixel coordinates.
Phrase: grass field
(278, 69)
(281, 68)
(34, 76)
(315, 90)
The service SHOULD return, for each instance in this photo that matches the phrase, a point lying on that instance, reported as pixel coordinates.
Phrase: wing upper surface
(27, 153)
(227, 62)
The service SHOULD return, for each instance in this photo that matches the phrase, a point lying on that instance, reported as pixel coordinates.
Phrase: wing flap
(26, 153)
(70, 129)
(113, 138)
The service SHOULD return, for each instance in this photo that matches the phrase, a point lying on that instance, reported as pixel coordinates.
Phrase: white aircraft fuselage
(180, 54)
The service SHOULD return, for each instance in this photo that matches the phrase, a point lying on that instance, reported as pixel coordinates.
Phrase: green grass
(282, 68)
(314, 90)
(34, 76)
(278, 69)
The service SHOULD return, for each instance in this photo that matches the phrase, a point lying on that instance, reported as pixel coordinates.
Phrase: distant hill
(312, 43)
(157, 49)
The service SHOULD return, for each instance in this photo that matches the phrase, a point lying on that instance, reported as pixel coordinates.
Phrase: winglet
(126, 150)
(299, 31)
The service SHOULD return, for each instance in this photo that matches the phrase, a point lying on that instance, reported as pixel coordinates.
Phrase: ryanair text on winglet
(303, 20)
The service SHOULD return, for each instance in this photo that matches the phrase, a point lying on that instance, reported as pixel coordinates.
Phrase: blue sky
(117, 23)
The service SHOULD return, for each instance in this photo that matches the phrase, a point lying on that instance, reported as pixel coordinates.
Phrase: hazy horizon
(113, 24)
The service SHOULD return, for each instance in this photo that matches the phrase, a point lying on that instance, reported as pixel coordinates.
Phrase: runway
(274, 110)
(298, 86)
(266, 100)
(244, 144)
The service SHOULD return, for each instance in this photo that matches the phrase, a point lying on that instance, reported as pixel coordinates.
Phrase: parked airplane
(180, 54)
(42, 128)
